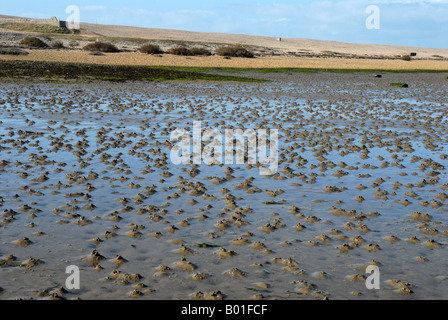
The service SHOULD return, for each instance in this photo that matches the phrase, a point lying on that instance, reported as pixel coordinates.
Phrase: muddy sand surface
(87, 180)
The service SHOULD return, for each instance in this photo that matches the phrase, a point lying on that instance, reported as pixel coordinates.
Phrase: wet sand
(87, 181)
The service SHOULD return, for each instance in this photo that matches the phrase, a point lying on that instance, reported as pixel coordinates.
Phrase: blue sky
(402, 22)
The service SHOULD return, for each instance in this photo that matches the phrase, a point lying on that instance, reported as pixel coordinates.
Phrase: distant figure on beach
(279, 39)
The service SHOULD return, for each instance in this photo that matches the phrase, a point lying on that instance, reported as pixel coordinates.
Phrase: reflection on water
(357, 157)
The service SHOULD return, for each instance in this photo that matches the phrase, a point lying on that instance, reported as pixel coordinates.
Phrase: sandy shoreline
(286, 45)
(269, 51)
(135, 58)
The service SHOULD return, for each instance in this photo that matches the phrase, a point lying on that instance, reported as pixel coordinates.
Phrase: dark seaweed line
(120, 73)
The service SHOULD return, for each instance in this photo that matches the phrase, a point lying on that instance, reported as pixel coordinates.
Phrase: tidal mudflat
(86, 180)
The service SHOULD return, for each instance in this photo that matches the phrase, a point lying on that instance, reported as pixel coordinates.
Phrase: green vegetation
(33, 42)
(299, 70)
(55, 71)
(83, 71)
(191, 69)
(406, 57)
(235, 51)
(57, 44)
(196, 51)
(149, 48)
(118, 39)
(29, 27)
(101, 47)
(180, 51)
(13, 51)
(184, 51)
(73, 43)
(399, 85)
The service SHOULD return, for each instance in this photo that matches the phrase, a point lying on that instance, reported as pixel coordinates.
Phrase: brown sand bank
(287, 44)
(133, 58)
